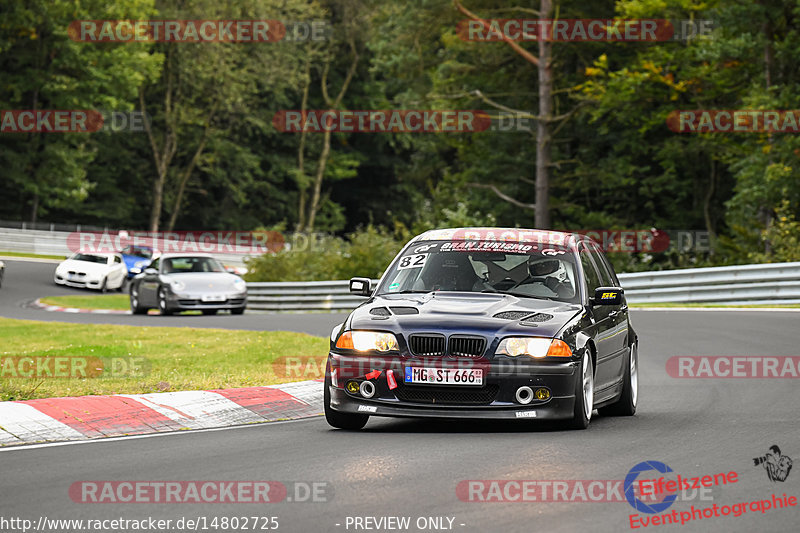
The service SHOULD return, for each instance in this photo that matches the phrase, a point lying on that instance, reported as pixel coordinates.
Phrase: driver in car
(542, 279)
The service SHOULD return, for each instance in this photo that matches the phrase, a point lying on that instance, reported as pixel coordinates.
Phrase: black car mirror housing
(607, 296)
(360, 286)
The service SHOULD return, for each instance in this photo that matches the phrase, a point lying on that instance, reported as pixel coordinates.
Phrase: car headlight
(177, 285)
(365, 341)
(239, 285)
(534, 347)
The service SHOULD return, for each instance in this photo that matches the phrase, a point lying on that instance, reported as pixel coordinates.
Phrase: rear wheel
(584, 393)
(163, 305)
(136, 308)
(626, 405)
(335, 418)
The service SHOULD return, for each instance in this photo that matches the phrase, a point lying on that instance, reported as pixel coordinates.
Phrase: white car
(92, 271)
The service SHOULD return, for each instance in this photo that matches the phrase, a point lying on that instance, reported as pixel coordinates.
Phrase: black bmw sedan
(486, 323)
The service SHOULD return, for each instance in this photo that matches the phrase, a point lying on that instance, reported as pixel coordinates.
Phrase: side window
(154, 264)
(606, 279)
(117, 259)
(606, 264)
(589, 271)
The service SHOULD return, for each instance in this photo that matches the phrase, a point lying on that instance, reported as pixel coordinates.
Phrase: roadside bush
(366, 252)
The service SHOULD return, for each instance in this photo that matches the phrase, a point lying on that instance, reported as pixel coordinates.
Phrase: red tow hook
(390, 379)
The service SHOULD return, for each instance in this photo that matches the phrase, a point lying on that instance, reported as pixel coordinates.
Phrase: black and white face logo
(777, 466)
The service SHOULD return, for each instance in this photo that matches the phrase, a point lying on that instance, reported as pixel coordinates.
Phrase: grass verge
(34, 256)
(170, 359)
(90, 301)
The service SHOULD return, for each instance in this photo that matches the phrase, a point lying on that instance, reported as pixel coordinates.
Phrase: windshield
(523, 269)
(91, 258)
(180, 265)
(138, 251)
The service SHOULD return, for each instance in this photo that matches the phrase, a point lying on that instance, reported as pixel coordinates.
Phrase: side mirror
(150, 271)
(360, 286)
(607, 296)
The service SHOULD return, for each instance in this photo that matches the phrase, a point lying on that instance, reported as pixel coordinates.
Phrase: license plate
(213, 298)
(444, 376)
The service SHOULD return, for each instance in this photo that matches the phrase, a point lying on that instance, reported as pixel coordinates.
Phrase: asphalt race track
(26, 281)
(409, 468)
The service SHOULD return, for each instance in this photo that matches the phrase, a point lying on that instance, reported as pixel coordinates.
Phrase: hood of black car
(488, 314)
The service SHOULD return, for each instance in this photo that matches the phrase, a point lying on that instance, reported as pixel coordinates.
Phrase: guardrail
(303, 296)
(51, 242)
(770, 284)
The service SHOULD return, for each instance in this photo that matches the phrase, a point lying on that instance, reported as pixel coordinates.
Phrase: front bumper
(78, 282)
(495, 399)
(186, 302)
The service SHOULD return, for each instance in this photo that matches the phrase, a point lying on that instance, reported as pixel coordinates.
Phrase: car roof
(98, 254)
(559, 238)
(174, 255)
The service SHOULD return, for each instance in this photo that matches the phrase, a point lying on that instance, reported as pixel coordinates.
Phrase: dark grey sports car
(486, 323)
(176, 282)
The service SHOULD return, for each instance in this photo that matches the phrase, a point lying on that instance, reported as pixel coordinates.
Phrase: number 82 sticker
(412, 261)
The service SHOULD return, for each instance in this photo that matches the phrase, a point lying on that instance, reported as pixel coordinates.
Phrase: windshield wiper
(555, 299)
(407, 291)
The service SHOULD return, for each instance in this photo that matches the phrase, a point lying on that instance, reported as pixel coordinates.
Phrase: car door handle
(617, 312)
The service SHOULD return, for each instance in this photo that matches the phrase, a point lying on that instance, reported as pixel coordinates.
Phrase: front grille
(467, 346)
(447, 395)
(427, 344)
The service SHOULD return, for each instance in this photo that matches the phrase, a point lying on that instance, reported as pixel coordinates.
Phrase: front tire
(209, 311)
(584, 393)
(335, 418)
(626, 405)
(238, 311)
(136, 308)
(104, 286)
(163, 305)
